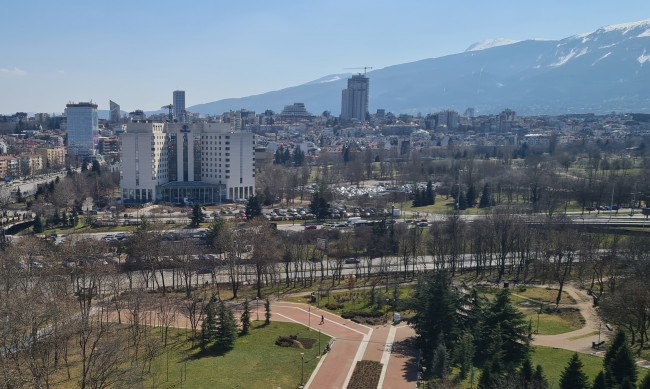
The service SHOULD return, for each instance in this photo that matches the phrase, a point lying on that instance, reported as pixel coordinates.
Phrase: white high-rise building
(179, 105)
(354, 99)
(82, 129)
(181, 163)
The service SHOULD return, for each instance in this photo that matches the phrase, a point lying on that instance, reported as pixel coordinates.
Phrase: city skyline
(234, 50)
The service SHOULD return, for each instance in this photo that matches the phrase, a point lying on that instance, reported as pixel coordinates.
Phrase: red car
(311, 227)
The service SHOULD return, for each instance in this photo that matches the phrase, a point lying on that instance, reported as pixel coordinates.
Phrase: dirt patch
(295, 342)
(366, 375)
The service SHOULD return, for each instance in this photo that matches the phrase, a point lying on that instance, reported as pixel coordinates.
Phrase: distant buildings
(179, 105)
(83, 129)
(115, 113)
(295, 112)
(354, 99)
(182, 163)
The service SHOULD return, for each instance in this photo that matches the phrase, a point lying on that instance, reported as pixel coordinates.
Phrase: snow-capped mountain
(602, 71)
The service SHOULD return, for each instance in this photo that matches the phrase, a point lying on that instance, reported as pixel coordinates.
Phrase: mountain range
(599, 72)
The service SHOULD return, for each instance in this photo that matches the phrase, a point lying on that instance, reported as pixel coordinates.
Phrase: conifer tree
(430, 194)
(645, 382)
(226, 327)
(526, 371)
(485, 197)
(539, 378)
(599, 381)
(440, 367)
(267, 312)
(573, 377)
(208, 327)
(245, 318)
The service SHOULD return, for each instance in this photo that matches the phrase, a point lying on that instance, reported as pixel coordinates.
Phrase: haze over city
(135, 53)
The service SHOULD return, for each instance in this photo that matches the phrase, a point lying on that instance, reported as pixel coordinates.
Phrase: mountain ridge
(601, 71)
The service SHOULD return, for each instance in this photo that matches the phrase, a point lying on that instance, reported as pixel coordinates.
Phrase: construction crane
(365, 69)
(170, 107)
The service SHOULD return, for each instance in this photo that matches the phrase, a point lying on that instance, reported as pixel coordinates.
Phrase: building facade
(82, 129)
(181, 163)
(179, 105)
(354, 99)
(115, 113)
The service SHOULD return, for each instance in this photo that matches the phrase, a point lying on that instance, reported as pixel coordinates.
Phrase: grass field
(555, 360)
(254, 362)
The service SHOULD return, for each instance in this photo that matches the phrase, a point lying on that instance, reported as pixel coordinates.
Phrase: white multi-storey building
(181, 163)
(82, 129)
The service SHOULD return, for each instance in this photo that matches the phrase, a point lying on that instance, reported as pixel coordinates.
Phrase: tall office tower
(115, 113)
(354, 99)
(83, 129)
(179, 105)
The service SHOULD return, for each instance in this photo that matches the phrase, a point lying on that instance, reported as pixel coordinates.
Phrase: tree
(486, 380)
(573, 377)
(440, 365)
(253, 207)
(645, 382)
(539, 378)
(208, 327)
(319, 206)
(430, 196)
(245, 318)
(526, 371)
(513, 330)
(95, 167)
(226, 327)
(462, 202)
(197, 216)
(599, 381)
(485, 197)
(267, 312)
(38, 225)
(622, 367)
(435, 306)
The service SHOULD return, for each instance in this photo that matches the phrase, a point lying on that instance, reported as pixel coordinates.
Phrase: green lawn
(555, 360)
(255, 361)
(554, 323)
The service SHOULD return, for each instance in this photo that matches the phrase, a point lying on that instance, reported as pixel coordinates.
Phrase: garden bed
(366, 375)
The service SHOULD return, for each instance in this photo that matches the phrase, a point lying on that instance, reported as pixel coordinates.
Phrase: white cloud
(13, 72)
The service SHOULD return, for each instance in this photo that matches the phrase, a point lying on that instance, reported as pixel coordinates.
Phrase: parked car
(311, 227)
(352, 260)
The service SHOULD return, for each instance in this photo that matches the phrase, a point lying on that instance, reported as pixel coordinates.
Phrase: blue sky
(136, 53)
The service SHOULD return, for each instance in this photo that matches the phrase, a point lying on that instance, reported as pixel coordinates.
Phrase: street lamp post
(302, 369)
(309, 317)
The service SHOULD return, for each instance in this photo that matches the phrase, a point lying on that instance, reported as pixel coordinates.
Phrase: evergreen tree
(95, 167)
(430, 194)
(486, 380)
(208, 327)
(539, 378)
(38, 225)
(623, 367)
(267, 312)
(599, 381)
(573, 377)
(512, 327)
(19, 195)
(619, 362)
(471, 196)
(298, 156)
(226, 327)
(526, 372)
(440, 366)
(485, 197)
(462, 202)
(253, 207)
(645, 382)
(417, 201)
(319, 205)
(197, 216)
(435, 306)
(245, 318)
(465, 354)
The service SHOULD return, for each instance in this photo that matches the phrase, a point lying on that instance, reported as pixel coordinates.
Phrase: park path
(581, 340)
(389, 344)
